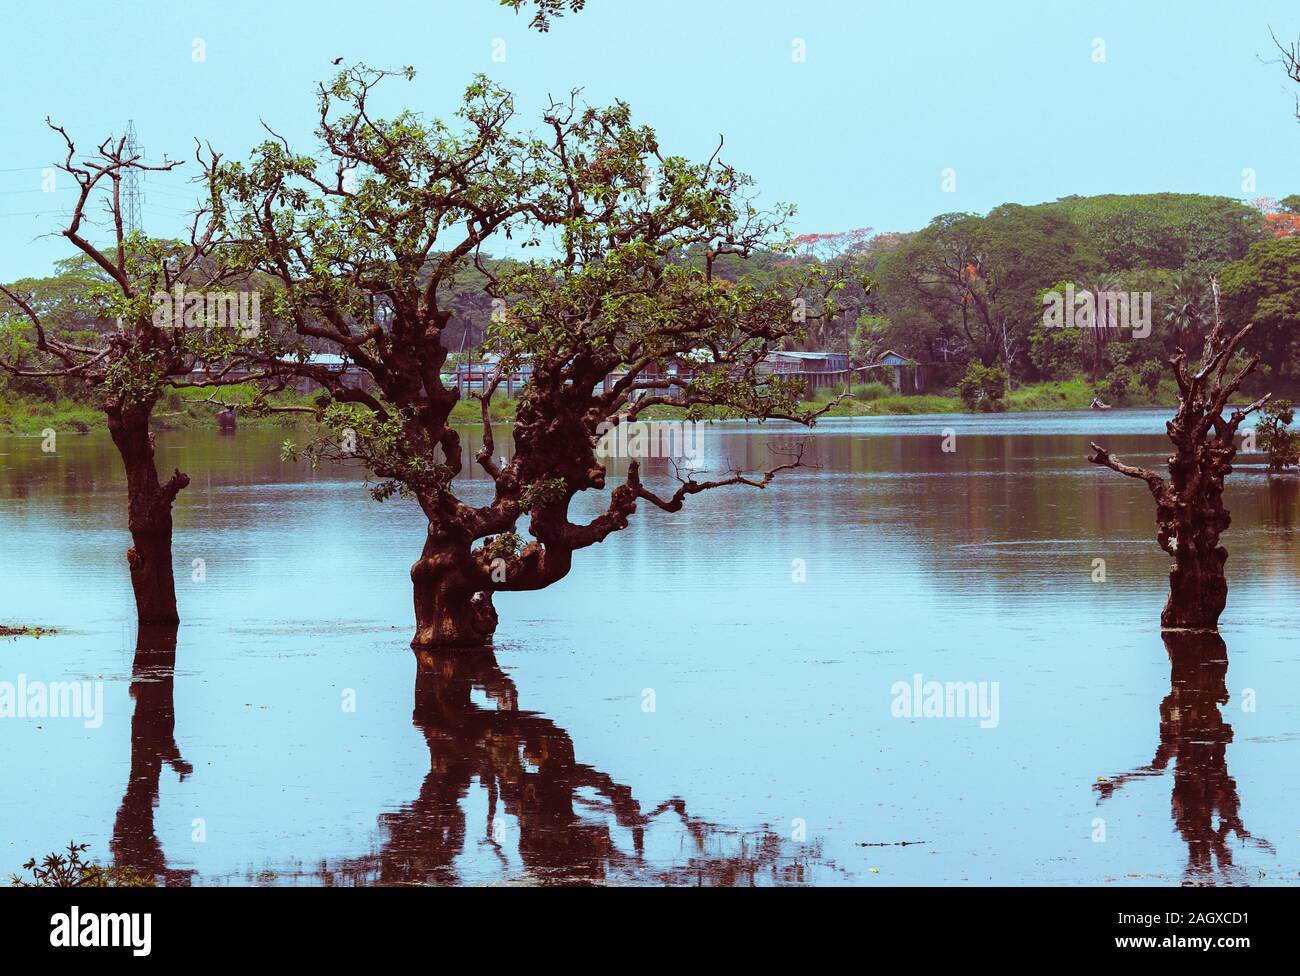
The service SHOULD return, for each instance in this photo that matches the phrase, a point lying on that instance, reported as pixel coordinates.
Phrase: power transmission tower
(132, 195)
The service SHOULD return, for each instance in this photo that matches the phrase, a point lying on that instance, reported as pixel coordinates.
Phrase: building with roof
(904, 374)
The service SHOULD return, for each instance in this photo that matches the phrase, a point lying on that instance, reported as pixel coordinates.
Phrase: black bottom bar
(232, 924)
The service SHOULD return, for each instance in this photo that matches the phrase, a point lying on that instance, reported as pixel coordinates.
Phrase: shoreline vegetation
(180, 410)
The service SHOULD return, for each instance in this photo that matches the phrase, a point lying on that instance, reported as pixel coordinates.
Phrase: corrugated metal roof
(816, 356)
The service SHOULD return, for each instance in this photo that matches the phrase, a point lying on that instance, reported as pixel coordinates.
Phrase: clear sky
(1012, 96)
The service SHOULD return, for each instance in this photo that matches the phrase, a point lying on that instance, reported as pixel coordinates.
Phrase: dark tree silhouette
(1205, 806)
(153, 745)
(1190, 514)
(563, 808)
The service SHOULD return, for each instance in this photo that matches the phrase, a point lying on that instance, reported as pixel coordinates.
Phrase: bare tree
(127, 367)
(1290, 60)
(1190, 513)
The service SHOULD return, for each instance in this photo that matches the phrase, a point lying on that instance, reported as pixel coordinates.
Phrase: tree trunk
(1198, 590)
(149, 515)
(1189, 506)
(1190, 529)
(449, 612)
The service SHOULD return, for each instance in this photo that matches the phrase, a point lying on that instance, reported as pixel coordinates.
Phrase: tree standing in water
(365, 243)
(129, 366)
(1189, 505)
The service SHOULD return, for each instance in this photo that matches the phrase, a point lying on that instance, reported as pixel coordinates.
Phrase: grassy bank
(184, 410)
(181, 409)
(876, 399)
(175, 411)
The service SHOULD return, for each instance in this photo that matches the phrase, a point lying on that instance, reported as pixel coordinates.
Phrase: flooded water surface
(898, 665)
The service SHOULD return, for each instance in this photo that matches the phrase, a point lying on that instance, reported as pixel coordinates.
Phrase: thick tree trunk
(149, 516)
(1190, 531)
(449, 612)
(1198, 591)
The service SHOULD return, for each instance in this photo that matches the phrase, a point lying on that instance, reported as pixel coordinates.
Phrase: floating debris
(26, 631)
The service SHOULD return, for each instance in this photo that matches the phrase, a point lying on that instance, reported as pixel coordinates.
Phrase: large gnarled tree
(1190, 513)
(364, 242)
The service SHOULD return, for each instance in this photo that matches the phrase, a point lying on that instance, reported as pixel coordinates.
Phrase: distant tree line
(966, 294)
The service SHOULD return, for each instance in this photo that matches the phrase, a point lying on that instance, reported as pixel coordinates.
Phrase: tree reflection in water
(1193, 735)
(566, 815)
(153, 743)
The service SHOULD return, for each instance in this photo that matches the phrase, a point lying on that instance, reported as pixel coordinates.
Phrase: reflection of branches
(564, 812)
(1194, 736)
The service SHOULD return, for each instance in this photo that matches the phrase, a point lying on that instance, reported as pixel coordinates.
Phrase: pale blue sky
(890, 95)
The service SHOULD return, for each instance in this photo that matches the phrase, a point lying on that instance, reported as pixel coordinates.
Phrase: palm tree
(1186, 310)
(1100, 284)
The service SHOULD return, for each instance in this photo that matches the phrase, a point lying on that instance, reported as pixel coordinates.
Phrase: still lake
(710, 697)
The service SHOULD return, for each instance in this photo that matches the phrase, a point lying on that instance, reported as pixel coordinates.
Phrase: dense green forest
(965, 295)
(970, 289)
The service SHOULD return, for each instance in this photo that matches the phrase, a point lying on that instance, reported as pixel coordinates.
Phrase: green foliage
(70, 871)
(1264, 288)
(31, 415)
(966, 289)
(974, 283)
(1117, 385)
(1273, 434)
(503, 546)
(1075, 393)
(971, 286)
(874, 390)
(1055, 353)
(391, 223)
(1189, 307)
(983, 388)
(1162, 230)
(1150, 374)
(129, 338)
(546, 9)
(543, 494)
(871, 337)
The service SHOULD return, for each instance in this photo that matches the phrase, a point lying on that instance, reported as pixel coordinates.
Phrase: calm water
(708, 698)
